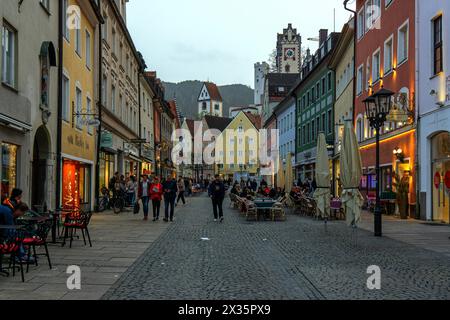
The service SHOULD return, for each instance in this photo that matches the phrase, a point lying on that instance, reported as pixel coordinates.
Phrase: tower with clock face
(289, 45)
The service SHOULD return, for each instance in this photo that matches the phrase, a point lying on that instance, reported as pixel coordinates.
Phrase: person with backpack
(170, 195)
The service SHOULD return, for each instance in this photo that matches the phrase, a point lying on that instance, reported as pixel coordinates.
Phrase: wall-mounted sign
(437, 180)
(447, 179)
(107, 140)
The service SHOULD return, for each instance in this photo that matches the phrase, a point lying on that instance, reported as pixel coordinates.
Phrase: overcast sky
(220, 40)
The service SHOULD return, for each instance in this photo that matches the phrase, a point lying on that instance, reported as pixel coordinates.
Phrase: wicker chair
(277, 212)
(251, 212)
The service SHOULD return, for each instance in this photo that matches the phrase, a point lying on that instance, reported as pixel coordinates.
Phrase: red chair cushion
(33, 241)
(9, 248)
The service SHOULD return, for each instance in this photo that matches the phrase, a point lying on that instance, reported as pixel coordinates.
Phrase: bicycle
(104, 202)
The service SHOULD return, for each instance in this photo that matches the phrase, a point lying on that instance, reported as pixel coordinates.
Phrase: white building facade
(433, 38)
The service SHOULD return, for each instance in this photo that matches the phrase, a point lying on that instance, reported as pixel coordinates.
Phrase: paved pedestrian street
(196, 258)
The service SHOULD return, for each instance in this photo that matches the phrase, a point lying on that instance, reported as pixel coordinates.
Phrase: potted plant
(401, 186)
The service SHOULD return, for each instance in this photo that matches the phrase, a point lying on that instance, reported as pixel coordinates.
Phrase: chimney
(323, 35)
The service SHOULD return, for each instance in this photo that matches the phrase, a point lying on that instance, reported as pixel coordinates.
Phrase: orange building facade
(385, 58)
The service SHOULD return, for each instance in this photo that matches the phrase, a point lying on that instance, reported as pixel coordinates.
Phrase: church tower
(289, 45)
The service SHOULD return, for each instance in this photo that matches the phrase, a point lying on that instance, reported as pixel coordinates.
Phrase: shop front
(397, 158)
(76, 185)
(8, 173)
(440, 145)
(147, 156)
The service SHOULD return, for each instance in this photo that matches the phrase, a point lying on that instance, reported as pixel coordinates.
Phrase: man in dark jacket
(170, 195)
(216, 191)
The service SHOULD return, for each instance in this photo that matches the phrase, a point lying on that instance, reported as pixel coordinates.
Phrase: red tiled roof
(173, 109)
(255, 119)
(191, 125)
(213, 90)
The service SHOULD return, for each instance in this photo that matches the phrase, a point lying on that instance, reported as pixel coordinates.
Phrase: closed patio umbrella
(289, 179)
(280, 174)
(351, 172)
(322, 195)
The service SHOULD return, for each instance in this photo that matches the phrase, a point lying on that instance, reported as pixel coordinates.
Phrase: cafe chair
(77, 221)
(277, 212)
(39, 239)
(10, 245)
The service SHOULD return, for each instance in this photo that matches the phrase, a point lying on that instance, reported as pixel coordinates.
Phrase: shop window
(76, 185)
(441, 177)
(8, 162)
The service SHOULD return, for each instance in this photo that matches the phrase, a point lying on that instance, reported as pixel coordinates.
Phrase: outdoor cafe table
(264, 205)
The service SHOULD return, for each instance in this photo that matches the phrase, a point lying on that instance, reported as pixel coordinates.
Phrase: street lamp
(378, 107)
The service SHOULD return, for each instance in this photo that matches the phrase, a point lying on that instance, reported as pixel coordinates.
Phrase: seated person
(245, 193)
(266, 191)
(235, 190)
(273, 194)
(7, 218)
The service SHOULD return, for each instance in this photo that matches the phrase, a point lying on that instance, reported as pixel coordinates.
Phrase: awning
(134, 158)
(15, 124)
(109, 150)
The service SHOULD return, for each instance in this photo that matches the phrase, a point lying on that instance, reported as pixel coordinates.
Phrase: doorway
(41, 157)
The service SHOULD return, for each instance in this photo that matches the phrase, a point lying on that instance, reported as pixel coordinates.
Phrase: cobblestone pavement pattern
(296, 259)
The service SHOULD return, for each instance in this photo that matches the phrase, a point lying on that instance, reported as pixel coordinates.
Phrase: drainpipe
(418, 168)
(355, 40)
(100, 106)
(61, 21)
(140, 125)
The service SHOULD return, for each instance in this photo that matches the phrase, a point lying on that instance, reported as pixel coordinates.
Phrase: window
(9, 47)
(376, 66)
(66, 31)
(78, 41)
(313, 94)
(437, 45)
(388, 55)
(330, 85)
(318, 90)
(330, 122)
(323, 122)
(104, 28)
(217, 107)
(88, 49)
(388, 3)
(360, 130)
(113, 42)
(313, 129)
(403, 42)
(8, 162)
(204, 106)
(323, 86)
(113, 99)
(368, 17)
(65, 98)
(104, 89)
(78, 107)
(89, 111)
(376, 10)
(360, 23)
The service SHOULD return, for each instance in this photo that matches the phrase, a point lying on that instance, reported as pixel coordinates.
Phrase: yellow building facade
(237, 150)
(79, 99)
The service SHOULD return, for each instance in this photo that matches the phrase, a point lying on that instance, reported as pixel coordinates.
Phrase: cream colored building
(147, 125)
(342, 63)
(28, 99)
(120, 94)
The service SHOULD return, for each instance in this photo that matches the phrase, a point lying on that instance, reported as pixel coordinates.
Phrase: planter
(403, 206)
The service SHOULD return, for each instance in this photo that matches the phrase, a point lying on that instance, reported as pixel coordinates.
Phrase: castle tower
(261, 71)
(289, 45)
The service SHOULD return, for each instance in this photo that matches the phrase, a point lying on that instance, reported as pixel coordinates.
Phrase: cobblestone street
(296, 259)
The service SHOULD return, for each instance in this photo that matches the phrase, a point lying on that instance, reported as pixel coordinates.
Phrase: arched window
(47, 59)
(360, 129)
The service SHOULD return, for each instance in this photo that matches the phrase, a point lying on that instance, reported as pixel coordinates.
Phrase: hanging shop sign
(107, 139)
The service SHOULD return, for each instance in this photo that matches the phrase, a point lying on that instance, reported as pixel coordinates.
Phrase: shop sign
(400, 108)
(447, 179)
(107, 140)
(437, 180)
(147, 151)
(131, 149)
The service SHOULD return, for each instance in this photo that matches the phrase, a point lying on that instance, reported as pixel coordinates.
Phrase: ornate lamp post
(378, 107)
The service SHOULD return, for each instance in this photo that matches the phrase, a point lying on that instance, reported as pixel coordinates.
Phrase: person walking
(131, 190)
(156, 194)
(170, 195)
(144, 195)
(181, 189)
(216, 192)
